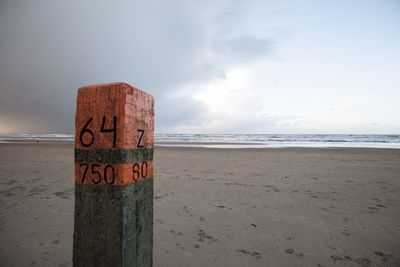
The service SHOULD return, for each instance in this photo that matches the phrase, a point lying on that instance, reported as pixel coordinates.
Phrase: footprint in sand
(203, 236)
(346, 233)
(66, 194)
(292, 252)
(175, 232)
(271, 188)
(37, 190)
(386, 257)
(239, 184)
(160, 196)
(289, 251)
(359, 261)
(12, 191)
(187, 211)
(255, 254)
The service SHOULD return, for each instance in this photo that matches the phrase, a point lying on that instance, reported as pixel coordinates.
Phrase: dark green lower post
(113, 225)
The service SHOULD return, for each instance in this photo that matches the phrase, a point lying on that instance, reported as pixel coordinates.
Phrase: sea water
(241, 140)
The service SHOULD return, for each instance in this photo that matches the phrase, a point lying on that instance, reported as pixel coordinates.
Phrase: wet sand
(220, 207)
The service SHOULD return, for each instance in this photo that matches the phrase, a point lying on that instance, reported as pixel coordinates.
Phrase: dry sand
(220, 207)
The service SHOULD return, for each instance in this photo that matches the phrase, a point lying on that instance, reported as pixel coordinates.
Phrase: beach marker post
(114, 139)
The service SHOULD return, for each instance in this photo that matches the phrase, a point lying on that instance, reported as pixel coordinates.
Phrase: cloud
(244, 49)
(177, 112)
(50, 48)
(233, 104)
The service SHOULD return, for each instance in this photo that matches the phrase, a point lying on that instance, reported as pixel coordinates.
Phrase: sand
(220, 207)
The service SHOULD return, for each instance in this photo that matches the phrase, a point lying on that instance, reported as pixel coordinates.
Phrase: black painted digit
(113, 130)
(135, 169)
(98, 174)
(144, 170)
(84, 172)
(86, 130)
(140, 137)
(112, 173)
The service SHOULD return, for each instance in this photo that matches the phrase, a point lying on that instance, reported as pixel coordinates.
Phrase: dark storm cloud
(50, 48)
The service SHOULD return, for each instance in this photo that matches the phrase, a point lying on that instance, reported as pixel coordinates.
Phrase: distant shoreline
(217, 145)
(235, 141)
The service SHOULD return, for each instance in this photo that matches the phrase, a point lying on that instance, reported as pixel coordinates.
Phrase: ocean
(240, 140)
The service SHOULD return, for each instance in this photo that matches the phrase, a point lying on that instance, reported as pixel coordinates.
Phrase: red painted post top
(116, 115)
(114, 134)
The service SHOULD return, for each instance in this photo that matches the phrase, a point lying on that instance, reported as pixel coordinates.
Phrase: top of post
(114, 115)
(119, 85)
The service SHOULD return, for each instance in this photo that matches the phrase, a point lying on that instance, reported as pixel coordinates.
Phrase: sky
(213, 66)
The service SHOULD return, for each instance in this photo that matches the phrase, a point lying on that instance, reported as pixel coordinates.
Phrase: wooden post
(114, 137)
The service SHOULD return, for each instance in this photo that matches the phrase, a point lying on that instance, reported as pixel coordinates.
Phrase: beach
(219, 207)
